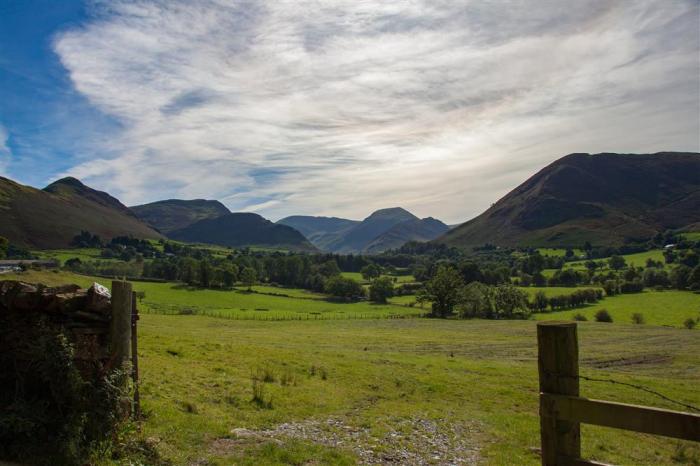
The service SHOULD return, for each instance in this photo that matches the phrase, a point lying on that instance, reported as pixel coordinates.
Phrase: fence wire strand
(631, 385)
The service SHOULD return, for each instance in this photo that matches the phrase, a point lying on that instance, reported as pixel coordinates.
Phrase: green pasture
(84, 254)
(367, 382)
(387, 386)
(668, 308)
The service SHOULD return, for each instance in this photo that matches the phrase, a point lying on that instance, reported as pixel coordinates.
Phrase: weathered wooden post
(557, 359)
(135, 356)
(120, 326)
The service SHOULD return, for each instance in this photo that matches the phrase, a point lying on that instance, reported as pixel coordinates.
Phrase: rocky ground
(413, 441)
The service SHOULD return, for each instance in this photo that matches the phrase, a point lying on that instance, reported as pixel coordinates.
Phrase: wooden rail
(562, 410)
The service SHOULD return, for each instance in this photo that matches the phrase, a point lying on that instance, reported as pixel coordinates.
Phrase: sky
(338, 107)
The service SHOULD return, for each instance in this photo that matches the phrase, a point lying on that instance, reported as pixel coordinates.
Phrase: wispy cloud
(345, 106)
(5, 153)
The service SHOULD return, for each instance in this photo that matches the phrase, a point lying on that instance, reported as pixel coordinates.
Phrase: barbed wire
(631, 385)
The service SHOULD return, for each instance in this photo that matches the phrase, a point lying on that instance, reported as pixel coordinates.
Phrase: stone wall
(83, 316)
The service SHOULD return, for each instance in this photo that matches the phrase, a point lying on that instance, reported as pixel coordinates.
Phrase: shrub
(580, 317)
(689, 323)
(638, 318)
(603, 316)
(52, 414)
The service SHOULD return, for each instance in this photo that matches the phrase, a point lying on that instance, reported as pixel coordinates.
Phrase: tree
(381, 289)
(204, 273)
(694, 279)
(617, 262)
(248, 277)
(443, 290)
(569, 254)
(370, 272)
(4, 243)
(343, 287)
(680, 276)
(591, 265)
(540, 301)
(511, 302)
(229, 275)
(476, 300)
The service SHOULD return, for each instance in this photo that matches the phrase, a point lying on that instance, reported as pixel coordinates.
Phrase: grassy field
(669, 308)
(405, 391)
(341, 391)
(399, 278)
(558, 252)
(84, 254)
(172, 298)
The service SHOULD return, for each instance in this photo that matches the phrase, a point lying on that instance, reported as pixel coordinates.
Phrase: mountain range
(605, 199)
(210, 222)
(382, 230)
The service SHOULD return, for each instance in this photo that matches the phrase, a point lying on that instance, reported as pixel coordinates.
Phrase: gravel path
(411, 441)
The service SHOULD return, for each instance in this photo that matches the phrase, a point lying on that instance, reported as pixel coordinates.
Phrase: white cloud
(5, 152)
(341, 107)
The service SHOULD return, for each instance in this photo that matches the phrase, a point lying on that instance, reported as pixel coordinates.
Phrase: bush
(580, 317)
(638, 318)
(50, 414)
(603, 316)
(690, 323)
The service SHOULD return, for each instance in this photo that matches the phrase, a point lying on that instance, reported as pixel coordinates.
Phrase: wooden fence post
(120, 326)
(557, 359)
(135, 356)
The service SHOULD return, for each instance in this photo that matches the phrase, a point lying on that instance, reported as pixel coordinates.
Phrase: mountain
(51, 217)
(356, 238)
(384, 229)
(606, 199)
(319, 230)
(242, 229)
(426, 229)
(310, 226)
(175, 214)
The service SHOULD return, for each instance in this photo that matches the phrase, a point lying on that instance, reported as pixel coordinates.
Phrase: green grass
(84, 254)
(691, 236)
(399, 278)
(550, 291)
(669, 308)
(480, 377)
(172, 298)
(476, 380)
(558, 252)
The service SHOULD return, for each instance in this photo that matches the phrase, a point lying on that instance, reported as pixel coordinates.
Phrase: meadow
(218, 391)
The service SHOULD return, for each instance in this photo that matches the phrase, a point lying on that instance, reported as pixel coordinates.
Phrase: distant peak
(392, 212)
(67, 181)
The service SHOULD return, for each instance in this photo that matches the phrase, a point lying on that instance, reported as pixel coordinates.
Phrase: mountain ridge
(50, 217)
(605, 199)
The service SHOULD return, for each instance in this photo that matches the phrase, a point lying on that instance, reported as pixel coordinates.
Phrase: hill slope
(426, 229)
(356, 238)
(319, 230)
(51, 217)
(175, 214)
(606, 199)
(242, 229)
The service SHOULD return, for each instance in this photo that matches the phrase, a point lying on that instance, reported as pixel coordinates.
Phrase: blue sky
(338, 107)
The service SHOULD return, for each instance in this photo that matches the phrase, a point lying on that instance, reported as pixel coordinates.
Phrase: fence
(562, 410)
(123, 333)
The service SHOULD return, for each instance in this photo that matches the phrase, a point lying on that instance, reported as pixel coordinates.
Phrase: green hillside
(605, 199)
(50, 218)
